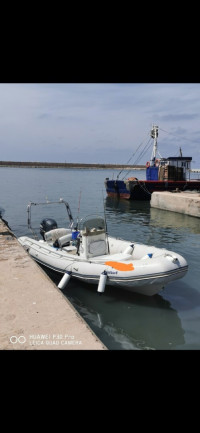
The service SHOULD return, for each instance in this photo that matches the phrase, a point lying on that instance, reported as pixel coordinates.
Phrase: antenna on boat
(79, 202)
(154, 135)
(106, 223)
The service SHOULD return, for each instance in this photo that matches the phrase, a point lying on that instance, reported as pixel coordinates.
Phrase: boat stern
(117, 188)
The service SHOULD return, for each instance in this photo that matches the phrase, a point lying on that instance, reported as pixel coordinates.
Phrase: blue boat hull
(142, 189)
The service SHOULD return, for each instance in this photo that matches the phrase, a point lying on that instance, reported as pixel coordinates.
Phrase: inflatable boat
(85, 251)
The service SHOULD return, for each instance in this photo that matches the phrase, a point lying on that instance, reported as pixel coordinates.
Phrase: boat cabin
(172, 168)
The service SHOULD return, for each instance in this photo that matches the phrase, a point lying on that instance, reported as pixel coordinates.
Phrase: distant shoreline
(68, 165)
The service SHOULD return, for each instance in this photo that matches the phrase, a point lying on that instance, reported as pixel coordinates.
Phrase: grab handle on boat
(65, 279)
(102, 282)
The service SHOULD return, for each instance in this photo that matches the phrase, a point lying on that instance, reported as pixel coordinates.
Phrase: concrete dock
(34, 313)
(182, 202)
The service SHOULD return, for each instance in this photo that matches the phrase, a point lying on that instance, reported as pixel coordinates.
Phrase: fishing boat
(85, 251)
(162, 174)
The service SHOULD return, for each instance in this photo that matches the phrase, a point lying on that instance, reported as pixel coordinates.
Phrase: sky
(98, 122)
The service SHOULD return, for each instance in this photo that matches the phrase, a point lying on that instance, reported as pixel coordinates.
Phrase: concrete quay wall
(34, 313)
(181, 202)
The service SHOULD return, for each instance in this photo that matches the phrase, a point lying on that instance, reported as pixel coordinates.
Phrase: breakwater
(187, 203)
(80, 165)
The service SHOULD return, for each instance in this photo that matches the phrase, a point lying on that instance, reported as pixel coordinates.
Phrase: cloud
(178, 117)
(96, 122)
(44, 116)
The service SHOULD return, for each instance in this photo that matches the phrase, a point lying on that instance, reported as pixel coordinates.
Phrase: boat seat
(54, 235)
(64, 240)
(70, 249)
(93, 243)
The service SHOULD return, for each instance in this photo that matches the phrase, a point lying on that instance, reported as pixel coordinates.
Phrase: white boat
(86, 252)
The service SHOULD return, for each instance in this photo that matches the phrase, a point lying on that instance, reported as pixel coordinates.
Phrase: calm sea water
(122, 320)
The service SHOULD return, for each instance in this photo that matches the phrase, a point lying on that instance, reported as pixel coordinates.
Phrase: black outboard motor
(46, 225)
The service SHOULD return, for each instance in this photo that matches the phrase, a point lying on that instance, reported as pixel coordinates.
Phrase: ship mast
(154, 135)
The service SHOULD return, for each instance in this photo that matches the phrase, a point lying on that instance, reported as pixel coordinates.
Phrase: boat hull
(150, 287)
(146, 276)
(142, 189)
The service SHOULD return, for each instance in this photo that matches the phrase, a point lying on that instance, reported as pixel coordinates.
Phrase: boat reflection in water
(140, 212)
(126, 321)
(127, 207)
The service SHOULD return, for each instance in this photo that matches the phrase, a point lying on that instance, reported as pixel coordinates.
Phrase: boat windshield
(93, 221)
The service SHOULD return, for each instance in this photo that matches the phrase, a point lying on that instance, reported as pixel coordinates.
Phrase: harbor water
(122, 320)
